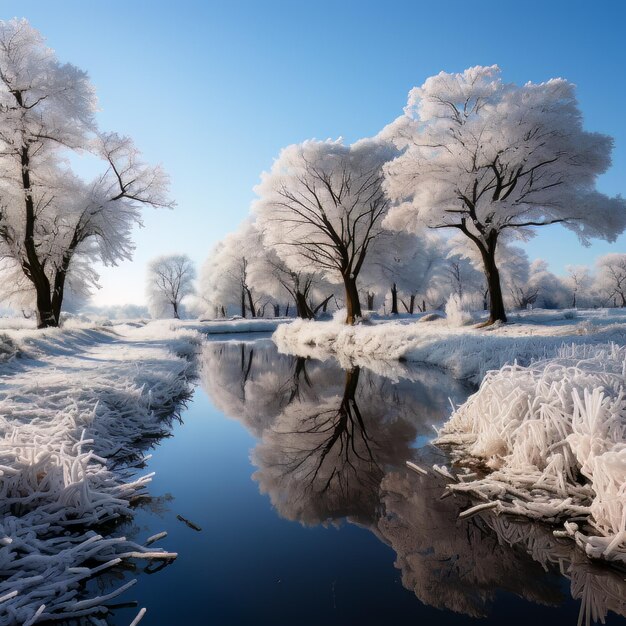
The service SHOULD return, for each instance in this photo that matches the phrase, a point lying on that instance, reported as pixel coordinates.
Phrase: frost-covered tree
(51, 220)
(463, 279)
(407, 266)
(170, 279)
(493, 160)
(225, 276)
(578, 281)
(542, 288)
(612, 278)
(321, 207)
(270, 275)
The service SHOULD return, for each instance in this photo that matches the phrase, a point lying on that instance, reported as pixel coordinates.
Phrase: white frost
(555, 434)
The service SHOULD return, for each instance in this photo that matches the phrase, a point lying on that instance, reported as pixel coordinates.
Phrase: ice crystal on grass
(75, 409)
(555, 434)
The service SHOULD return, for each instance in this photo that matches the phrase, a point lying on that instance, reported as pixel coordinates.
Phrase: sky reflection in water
(328, 447)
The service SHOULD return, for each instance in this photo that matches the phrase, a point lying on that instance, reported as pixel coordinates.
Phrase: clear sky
(213, 90)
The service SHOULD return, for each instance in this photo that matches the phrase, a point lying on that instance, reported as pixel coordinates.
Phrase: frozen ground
(77, 407)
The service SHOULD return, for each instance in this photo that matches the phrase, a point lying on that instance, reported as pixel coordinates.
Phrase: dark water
(295, 471)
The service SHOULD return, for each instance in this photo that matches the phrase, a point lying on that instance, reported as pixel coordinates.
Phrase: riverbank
(78, 408)
(545, 435)
(467, 352)
(552, 437)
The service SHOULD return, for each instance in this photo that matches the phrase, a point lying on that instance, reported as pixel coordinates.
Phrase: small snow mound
(430, 317)
(8, 349)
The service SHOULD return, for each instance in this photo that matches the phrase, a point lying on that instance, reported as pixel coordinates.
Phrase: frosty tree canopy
(52, 223)
(321, 206)
(493, 160)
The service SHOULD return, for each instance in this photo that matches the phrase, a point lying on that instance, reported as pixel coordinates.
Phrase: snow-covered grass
(555, 435)
(467, 352)
(77, 408)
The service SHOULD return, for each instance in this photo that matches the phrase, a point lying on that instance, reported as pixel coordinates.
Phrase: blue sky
(213, 90)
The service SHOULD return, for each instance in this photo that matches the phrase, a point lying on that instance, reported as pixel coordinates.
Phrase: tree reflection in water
(332, 447)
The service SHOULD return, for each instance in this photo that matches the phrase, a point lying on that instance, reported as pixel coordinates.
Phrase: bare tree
(578, 280)
(612, 277)
(170, 279)
(322, 205)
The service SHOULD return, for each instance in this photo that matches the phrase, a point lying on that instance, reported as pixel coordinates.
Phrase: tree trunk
(353, 306)
(496, 302)
(175, 307)
(303, 309)
(57, 297)
(412, 304)
(243, 302)
(370, 301)
(394, 299)
(277, 310)
(250, 302)
(287, 309)
(223, 311)
(32, 266)
(45, 315)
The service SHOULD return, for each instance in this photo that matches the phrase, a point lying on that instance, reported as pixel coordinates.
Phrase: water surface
(295, 471)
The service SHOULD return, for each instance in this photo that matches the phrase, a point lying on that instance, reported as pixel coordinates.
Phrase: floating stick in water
(188, 522)
(156, 537)
(138, 618)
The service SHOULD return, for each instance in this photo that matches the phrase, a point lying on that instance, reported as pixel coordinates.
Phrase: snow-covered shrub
(555, 432)
(457, 313)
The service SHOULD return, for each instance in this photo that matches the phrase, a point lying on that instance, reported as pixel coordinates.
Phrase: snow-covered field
(544, 437)
(77, 407)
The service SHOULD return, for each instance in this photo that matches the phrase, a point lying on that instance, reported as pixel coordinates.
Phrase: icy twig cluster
(554, 434)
